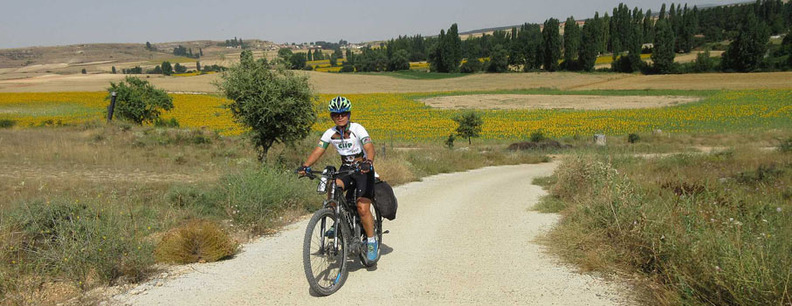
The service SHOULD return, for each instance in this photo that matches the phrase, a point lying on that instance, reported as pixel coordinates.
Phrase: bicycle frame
(348, 213)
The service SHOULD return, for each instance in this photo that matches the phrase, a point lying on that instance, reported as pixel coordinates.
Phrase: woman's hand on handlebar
(303, 171)
(366, 166)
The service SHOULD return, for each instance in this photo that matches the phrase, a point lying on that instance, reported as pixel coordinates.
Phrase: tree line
(624, 33)
(166, 68)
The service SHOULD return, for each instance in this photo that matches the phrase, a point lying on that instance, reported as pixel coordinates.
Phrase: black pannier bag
(385, 200)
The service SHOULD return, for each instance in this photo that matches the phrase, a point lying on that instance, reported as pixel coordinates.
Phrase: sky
(26, 23)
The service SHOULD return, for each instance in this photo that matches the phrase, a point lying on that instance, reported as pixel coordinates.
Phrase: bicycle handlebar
(311, 173)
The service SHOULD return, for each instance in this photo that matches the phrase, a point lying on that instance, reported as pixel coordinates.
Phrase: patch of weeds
(80, 242)
(785, 145)
(684, 188)
(180, 159)
(545, 181)
(197, 241)
(550, 204)
(786, 194)
(763, 173)
(204, 201)
(170, 123)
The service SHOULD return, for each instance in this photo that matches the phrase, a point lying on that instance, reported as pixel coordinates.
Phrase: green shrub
(255, 198)
(197, 241)
(7, 123)
(538, 136)
(138, 101)
(633, 138)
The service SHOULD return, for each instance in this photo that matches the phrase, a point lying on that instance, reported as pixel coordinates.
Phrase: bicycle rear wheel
(325, 252)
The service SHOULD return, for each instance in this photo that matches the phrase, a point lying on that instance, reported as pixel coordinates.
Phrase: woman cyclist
(353, 143)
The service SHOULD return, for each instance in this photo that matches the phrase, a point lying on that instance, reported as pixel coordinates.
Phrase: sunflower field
(402, 117)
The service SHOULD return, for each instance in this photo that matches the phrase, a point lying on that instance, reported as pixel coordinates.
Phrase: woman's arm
(315, 155)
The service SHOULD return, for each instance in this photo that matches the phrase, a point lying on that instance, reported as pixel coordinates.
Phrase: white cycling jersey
(350, 145)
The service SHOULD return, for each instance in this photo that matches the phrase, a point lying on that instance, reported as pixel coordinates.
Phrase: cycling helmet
(340, 105)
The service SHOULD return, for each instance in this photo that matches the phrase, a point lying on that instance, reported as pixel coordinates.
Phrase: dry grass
(196, 241)
(75, 159)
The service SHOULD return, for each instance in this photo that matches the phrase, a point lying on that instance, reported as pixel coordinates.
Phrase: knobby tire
(325, 273)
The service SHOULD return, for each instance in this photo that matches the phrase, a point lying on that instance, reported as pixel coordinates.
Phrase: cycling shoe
(372, 251)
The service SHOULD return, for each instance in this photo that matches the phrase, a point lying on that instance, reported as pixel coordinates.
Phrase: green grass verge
(704, 229)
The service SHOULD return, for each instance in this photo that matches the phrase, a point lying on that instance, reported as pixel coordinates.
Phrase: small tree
(399, 61)
(275, 103)
(198, 66)
(703, 62)
(84, 71)
(167, 69)
(114, 70)
(138, 101)
(298, 61)
(470, 123)
(285, 54)
(499, 60)
(178, 68)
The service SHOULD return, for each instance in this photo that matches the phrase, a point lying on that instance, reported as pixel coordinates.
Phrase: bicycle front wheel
(325, 253)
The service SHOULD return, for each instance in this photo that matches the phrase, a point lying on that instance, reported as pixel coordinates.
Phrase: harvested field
(698, 81)
(335, 83)
(512, 101)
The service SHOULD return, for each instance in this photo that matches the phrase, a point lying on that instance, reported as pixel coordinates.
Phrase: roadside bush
(196, 241)
(7, 123)
(255, 198)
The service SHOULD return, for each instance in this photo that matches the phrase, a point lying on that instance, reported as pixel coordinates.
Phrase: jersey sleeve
(361, 132)
(324, 141)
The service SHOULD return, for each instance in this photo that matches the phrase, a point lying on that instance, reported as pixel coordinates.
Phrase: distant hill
(100, 58)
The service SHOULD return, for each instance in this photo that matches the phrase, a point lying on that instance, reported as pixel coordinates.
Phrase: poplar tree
(552, 44)
(590, 43)
(745, 53)
(571, 43)
(663, 51)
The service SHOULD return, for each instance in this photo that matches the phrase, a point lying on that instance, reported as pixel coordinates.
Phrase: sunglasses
(336, 115)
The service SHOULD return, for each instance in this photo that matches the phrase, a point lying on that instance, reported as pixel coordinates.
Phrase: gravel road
(462, 238)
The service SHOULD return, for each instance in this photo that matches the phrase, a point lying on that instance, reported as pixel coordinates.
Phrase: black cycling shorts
(363, 183)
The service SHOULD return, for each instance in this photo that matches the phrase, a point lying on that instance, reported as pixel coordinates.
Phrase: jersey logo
(345, 145)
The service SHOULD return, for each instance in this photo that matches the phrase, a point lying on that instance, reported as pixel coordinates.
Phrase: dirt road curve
(463, 238)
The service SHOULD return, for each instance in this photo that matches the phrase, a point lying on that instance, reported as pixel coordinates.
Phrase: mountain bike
(335, 233)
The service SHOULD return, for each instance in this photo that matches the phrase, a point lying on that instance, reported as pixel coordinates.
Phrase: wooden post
(111, 107)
